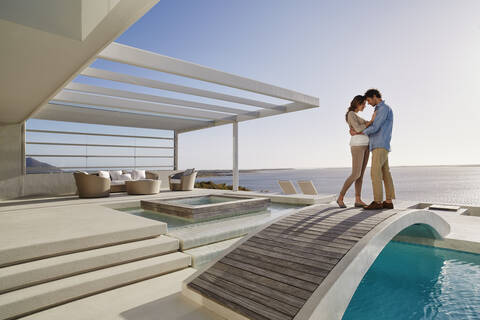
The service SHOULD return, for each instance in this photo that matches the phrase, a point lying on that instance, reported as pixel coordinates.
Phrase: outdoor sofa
(101, 184)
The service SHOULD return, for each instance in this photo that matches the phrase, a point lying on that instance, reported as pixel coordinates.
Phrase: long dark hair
(356, 101)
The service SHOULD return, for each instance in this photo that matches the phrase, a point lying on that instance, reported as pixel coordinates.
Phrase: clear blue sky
(424, 56)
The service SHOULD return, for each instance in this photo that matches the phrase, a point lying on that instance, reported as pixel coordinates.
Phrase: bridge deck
(273, 273)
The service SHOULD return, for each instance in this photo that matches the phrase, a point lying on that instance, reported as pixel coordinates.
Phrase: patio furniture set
(135, 182)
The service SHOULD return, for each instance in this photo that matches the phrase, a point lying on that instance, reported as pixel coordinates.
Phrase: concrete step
(28, 300)
(45, 232)
(44, 270)
(156, 298)
(203, 255)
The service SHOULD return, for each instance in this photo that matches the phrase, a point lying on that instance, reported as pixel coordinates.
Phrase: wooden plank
(333, 232)
(285, 267)
(315, 263)
(234, 273)
(297, 247)
(322, 242)
(321, 226)
(283, 297)
(329, 221)
(282, 277)
(316, 246)
(265, 300)
(291, 251)
(345, 242)
(320, 230)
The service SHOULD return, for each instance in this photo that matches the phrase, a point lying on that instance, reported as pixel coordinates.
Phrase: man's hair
(373, 92)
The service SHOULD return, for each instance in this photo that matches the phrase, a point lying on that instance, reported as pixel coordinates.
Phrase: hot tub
(206, 206)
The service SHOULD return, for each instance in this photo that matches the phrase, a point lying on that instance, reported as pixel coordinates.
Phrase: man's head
(373, 97)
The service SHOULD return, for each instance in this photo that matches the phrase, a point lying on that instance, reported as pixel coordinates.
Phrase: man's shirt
(380, 132)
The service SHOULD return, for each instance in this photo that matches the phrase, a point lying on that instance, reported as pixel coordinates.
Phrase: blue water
(417, 282)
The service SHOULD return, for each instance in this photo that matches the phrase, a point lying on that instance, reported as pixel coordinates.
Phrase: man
(380, 134)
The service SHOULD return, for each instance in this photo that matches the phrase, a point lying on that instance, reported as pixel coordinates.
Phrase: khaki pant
(381, 171)
(359, 163)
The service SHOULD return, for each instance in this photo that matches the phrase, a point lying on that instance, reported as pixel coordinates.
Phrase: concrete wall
(12, 151)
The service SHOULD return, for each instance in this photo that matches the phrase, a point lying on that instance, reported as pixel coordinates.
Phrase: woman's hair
(357, 100)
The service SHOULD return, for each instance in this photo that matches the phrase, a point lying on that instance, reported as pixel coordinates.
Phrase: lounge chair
(307, 187)
(91, 186)
(183, 181)
(287, 187)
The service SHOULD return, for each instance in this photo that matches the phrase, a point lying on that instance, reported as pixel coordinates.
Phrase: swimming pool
(409, 281)
(273, 211)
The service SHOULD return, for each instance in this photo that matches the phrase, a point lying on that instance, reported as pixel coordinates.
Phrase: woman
(359, 149)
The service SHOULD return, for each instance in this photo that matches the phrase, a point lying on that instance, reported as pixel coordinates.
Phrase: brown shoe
(374, 206)
(387, 205)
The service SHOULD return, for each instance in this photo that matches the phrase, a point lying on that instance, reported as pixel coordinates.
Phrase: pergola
(78, 102)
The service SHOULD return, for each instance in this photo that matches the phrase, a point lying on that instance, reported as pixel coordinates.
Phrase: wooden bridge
(304, 266)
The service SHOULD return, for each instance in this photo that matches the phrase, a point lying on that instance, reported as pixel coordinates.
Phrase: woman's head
(357, 104)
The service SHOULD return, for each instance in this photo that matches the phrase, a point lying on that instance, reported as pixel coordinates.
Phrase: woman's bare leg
(359, 181)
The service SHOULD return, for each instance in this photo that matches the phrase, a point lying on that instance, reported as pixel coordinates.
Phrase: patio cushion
(138, 174)
(104, 174)
(117, 182)
(175, 181)
(125, 177)
(115, 174)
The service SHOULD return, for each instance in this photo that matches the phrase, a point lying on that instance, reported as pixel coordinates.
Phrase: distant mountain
(35, 166)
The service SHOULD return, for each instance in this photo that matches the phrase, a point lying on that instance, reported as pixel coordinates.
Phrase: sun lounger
(287, 187)
(307, 187)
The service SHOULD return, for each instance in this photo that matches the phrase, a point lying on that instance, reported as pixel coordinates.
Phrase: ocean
(448, 184)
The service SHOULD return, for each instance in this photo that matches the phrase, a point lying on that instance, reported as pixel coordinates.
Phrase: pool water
(410, 281)
(196, 201)
(273, 211)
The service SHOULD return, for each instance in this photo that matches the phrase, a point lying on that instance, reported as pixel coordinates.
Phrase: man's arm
(377, 123)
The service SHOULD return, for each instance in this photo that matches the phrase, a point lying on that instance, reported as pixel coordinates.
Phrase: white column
(235, 156)
(12, 151)
(175, 150)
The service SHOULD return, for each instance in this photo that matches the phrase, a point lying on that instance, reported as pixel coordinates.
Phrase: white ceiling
(46, 43)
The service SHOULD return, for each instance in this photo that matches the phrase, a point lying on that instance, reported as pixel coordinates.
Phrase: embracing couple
(370, 136)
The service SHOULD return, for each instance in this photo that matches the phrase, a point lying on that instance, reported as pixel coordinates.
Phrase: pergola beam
(59, 112)
(156, 84)
(76, 86)
(291, 107)
(132, 105)
(145, 59)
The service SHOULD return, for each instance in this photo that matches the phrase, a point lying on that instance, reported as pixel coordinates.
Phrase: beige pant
(381, 171)
(359, 163)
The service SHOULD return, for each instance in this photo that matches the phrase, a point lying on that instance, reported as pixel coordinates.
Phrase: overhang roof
(44, 44)
(79, 102)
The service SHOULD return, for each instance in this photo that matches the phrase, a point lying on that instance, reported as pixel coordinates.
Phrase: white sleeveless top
(359, 140)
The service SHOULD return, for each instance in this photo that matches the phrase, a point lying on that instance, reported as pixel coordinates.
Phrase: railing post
(235, 156)
(175, 150)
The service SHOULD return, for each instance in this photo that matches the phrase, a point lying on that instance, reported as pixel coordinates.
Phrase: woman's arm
(355, 122)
